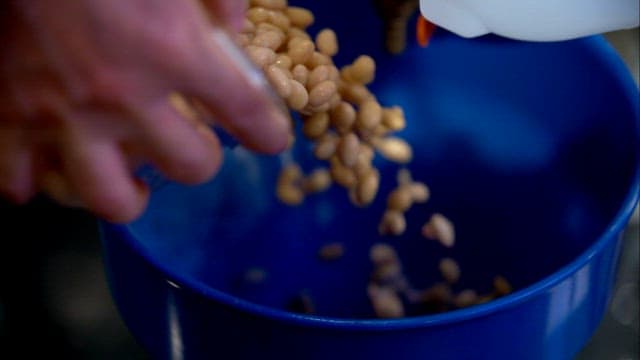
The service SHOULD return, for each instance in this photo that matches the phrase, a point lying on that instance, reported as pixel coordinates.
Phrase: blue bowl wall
(532, 151)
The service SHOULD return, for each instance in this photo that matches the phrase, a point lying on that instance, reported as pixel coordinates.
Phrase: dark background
(54, 297)
(53, 292)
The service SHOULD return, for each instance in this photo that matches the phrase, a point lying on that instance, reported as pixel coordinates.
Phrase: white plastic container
(532, 20)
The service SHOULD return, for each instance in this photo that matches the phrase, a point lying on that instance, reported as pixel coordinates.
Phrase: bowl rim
(600, 48)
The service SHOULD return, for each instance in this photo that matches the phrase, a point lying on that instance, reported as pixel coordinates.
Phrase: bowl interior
(530, 149)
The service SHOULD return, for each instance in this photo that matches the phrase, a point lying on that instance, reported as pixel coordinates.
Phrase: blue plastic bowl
(532, 149)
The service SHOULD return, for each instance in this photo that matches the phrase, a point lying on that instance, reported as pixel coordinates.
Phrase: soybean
(326, 146)
(270, 4)
(298, 98)
(450, 270)
(348, 149)
(322, 93)
(331, 251)
(300, 17)
(393, 223)
(319, 180)
(316, 125)
(300, 74)
(343, 117)
(279, 80)
(400, 199)
(439, 228)
(394, 149)
(367, 188)
(327, 42)
(369, 115)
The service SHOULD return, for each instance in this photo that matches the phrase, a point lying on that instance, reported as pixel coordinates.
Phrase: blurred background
(54, 297)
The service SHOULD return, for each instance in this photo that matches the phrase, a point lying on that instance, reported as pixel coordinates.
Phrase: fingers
(237, 95)
(185, 150)
(228, 12)
(91, 164)
(16, 180)
(97, 172)
(16, 171)
(56, 186)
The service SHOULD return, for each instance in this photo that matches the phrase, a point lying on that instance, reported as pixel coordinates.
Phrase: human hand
(84, 88)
